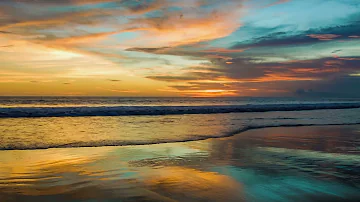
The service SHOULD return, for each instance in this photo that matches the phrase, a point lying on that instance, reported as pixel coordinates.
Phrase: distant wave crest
(23, 112)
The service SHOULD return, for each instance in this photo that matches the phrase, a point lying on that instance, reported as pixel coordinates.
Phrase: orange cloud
(60, 20)
(203, 93)
(174, 30)
(323, 37)
(281, 77)
(119, 90)
(331, 63)
(218, 57)
(223, 50)
(84, 38)
(278, 2)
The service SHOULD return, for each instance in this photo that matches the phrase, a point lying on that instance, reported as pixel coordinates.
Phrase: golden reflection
(191, 183)
(84, 173)
(18, 164)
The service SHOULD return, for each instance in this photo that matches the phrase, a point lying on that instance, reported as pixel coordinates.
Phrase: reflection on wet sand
(186, 184)
(108, 173)
(277, 164)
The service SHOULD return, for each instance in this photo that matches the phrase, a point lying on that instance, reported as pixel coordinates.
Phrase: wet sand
(275, 164)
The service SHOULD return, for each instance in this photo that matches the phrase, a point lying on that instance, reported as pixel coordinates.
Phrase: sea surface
(179, 149)
(62, 122)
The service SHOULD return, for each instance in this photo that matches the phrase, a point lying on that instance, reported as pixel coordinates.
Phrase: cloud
(278, 2)
(144, 7)
(171, 78)
(245, 75)
(118, 90)
(84, 38)
(336, 51)
(223, 50)
(171, 30)
(6, 46)
(5, 32)
(323, 37)
(73, 29)
(205, 52)
(312, 36)
(54, 20)
(76, 2)
(343, 86)
(246, 70)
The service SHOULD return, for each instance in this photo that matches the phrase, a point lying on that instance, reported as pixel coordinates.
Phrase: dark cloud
(140, 7)
(5, 32)
(320, 77)
(323, 68)
(240, 68)
(190, 76)
(173, 78)
(344, 86)
(149, 50)
(336, 51)
(248, 70)
(6, 46)
(114, 80)
(307, 37)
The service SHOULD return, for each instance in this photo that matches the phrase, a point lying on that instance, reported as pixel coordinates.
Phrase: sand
(274, 164)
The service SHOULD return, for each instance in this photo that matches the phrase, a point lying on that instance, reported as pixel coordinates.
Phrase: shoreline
(231, 134)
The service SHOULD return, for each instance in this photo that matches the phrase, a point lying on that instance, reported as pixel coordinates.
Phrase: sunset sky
(180, 47)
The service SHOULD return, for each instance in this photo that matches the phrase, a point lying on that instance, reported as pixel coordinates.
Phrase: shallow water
(275, 164)
(50, 132)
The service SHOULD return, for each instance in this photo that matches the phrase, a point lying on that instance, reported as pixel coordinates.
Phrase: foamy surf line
(117, 143)
(23, 112)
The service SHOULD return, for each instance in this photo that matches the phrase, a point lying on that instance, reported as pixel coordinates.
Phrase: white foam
(162, 110)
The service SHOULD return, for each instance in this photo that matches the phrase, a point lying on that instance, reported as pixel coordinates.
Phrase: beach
(311, 163)
(179, 100)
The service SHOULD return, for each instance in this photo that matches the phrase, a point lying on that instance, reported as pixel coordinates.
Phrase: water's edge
(135, 143)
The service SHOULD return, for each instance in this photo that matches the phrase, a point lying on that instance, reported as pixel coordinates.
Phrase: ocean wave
(162, 110)
(109, 143)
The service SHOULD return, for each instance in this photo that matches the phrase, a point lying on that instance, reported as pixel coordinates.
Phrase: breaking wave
(23, 112)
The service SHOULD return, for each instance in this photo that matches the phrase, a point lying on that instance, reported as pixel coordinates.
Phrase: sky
(195, 48)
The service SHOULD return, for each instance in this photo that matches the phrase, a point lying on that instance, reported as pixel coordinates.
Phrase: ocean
(56, 122)
(178, 149)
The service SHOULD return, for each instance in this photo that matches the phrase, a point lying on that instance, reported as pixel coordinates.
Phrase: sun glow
(59, 54)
